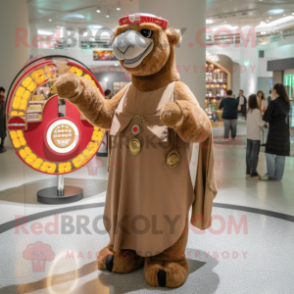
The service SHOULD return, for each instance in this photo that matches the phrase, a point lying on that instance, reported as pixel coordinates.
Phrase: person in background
(278, 141)
(2, 120)
(254, 127)
(269, 98)
(107, 94)
(229, 115)
(261, 102)
(242, 101)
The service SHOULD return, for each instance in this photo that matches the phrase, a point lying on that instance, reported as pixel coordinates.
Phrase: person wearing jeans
(230, 125)
(230, 114)
(254, 126)
(275, 166)
(252, 152)
(278, 140)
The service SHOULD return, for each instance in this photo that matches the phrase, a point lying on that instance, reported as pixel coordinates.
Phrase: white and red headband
(138, 18)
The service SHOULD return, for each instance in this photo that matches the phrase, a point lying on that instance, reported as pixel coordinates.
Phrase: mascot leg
(170, 268)
(121, 262)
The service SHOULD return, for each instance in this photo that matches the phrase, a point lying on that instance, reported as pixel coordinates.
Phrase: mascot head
(143, 44)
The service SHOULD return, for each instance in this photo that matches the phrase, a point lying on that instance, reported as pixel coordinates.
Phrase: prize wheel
(48, 134)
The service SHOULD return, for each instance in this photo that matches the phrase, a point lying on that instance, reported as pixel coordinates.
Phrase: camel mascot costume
(153, 123)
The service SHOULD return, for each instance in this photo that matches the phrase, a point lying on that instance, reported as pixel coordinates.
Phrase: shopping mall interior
(97, 96)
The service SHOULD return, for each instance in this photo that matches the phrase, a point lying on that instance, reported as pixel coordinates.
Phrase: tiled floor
(250, 261)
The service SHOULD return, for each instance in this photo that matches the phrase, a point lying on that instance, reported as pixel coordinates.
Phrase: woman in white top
(254, 127)
(262, 104)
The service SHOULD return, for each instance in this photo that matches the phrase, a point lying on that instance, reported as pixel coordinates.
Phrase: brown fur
(172, 261)
(184, 115)
(194, 125)
(88, 99)
(124, 262)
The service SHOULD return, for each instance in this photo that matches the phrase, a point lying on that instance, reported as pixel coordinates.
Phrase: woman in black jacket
(278, 141)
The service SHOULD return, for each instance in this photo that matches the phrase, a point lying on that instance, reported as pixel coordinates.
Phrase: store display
(117, 86)
(216, 86)
(41, 138)
(103, 55)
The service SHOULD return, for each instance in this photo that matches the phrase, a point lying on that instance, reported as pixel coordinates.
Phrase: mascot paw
(68, 86)
(171, 274)
(170, 114)
(122, 262)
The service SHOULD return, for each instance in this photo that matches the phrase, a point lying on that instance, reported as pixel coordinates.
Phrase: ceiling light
(95, 27)
(50, 19)
(276, 11)
(98, 11)
(107, 16)
(80, 16)
(209, 21)
(46, 33)
(263, 33)
(293, 13)
(117, 8)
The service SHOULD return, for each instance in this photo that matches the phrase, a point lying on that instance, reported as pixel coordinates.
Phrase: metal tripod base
(60, 194)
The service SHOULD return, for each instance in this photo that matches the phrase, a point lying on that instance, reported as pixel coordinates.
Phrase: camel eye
(146, 33)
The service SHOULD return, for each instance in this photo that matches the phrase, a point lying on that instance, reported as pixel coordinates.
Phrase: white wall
(279, 50)
(13, 16)
(236, 80)
(262, 69)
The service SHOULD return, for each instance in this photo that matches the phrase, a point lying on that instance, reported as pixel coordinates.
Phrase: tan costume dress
(147, 202)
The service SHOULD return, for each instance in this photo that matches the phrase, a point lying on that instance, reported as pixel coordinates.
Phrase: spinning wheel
(48, 134)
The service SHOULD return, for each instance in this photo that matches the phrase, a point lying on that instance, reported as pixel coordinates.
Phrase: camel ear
(174, 36)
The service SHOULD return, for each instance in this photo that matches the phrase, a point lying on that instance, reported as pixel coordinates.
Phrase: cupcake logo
(39, 253)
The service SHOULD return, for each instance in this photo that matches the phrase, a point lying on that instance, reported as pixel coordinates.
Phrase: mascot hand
(170, 114)
(68, 86)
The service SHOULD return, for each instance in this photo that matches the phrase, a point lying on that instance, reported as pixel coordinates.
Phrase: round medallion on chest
(173, 159)
(135, 146)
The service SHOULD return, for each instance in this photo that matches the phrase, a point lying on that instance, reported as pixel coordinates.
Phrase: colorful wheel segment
(49, 134)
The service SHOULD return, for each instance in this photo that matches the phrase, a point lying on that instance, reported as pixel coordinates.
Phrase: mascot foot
(171, 274)
(121, 262)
